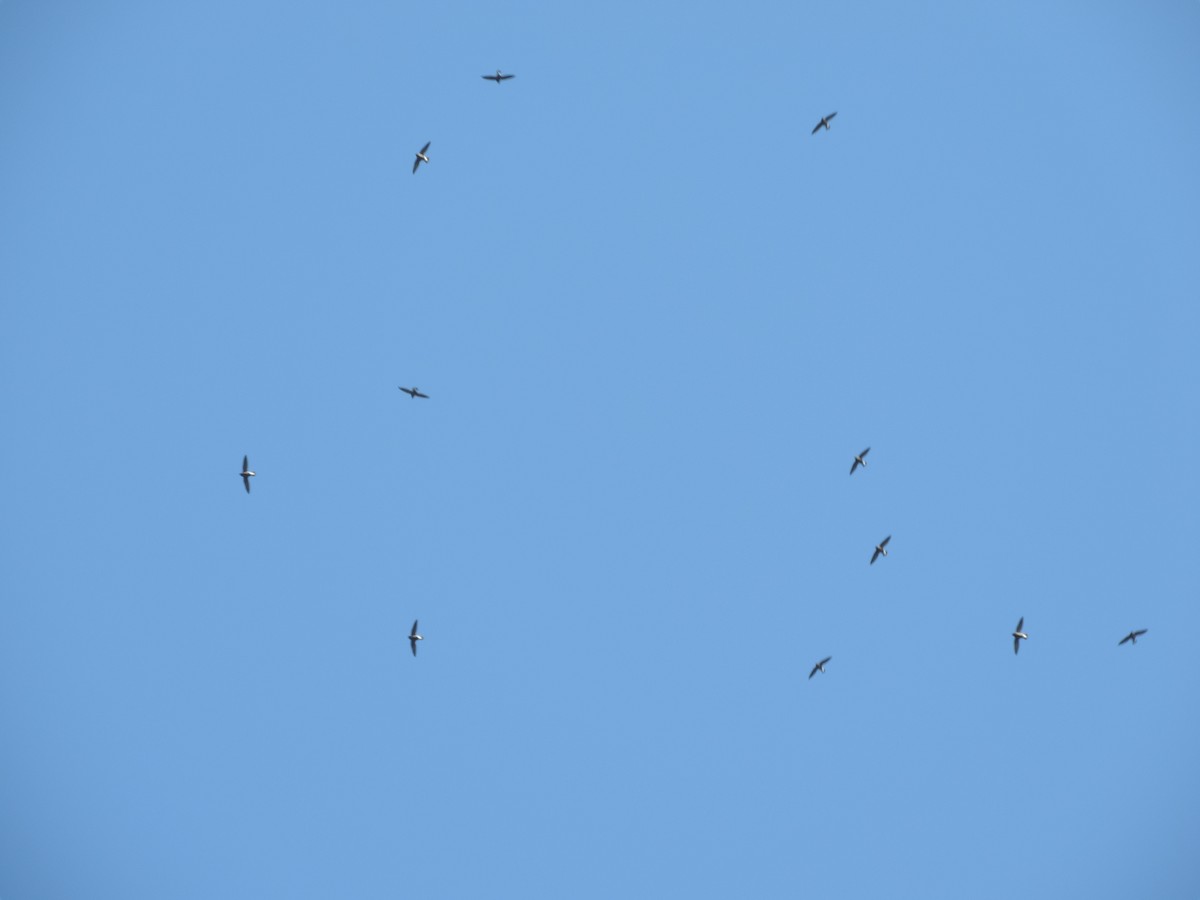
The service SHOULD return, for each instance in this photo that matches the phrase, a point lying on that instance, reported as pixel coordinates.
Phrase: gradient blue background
(656, 319)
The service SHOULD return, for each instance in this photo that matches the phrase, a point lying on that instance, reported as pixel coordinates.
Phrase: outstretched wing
(416, 162)
(414, 628)
(1138, 634)
(1016, 643)
(875, 555)
(245, 463)
(884, 542)
(1125, 640)
(491, 77)
(864, 453)
(505, 77)
(425, 149)
(412, 642)
(817, 127)
(854, 466)
(830, 116)
(246, 482)
(1021, 624)
(815, 670)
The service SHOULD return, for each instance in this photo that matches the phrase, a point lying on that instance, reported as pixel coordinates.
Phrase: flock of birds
(881, 547)
(860, 459)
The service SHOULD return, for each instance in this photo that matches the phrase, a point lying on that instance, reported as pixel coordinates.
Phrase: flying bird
(421, 156)
(1132, 636)
(414, 392)
(860, 460)
(497, 77)
(246, 473)
(819, 667)
(413, 637)
(1019, 635)
(824, 123)
(879, 549)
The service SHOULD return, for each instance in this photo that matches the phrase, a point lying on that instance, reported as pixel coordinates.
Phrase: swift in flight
(421, 156)
(1019, 635)
(824, 123)
(413, 637)
(246, 473)
(414, 393)
(497, 77)
(819, 667)
(1132, 636)
(860, 460)
(879, 549)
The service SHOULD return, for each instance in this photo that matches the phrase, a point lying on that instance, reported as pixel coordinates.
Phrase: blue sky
(656, 318)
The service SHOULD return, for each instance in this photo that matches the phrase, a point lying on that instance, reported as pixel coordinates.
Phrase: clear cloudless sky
(656, 319)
